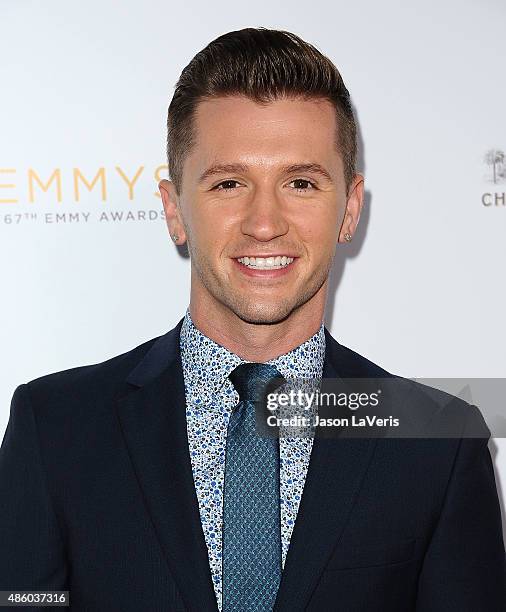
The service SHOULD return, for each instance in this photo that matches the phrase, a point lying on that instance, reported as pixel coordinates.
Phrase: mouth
(276, 262)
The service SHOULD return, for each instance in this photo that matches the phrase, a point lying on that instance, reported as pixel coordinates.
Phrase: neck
(256, 342)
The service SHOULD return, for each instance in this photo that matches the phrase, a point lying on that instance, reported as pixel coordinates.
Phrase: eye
(226, 185)
(303, 185)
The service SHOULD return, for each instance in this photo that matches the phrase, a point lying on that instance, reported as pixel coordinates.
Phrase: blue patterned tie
(251, 512)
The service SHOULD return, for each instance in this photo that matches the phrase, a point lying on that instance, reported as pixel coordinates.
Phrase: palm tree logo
(497, 162)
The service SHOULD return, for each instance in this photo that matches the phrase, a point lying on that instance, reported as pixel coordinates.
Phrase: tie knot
(253, 381)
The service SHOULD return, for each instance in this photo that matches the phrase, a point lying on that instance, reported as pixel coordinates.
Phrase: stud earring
(347, 237)
(175, 237)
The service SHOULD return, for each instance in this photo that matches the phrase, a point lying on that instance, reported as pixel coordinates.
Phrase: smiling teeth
(266, 263)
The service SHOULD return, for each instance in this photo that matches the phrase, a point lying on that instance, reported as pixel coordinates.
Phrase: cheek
(318, 227)
(211, 225)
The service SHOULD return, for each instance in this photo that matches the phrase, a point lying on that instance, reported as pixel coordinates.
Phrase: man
(140, 483)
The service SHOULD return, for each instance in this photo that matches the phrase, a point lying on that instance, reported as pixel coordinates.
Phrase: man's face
(262, 202)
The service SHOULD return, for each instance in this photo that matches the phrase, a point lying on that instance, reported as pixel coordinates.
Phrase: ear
(173, 217)
(354, 205)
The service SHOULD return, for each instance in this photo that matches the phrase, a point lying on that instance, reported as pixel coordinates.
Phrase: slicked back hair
(263, 65)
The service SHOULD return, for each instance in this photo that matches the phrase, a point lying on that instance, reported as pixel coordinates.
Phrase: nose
(263, 218)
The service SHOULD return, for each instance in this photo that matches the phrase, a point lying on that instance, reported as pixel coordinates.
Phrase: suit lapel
(153, 421)
(335, 474)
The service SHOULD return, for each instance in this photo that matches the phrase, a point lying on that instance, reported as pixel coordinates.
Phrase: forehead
(236, 128)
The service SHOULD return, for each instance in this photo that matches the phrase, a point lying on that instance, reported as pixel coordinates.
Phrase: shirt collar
(207, 364)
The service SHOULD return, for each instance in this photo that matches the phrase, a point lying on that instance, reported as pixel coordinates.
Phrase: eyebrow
(242, 168)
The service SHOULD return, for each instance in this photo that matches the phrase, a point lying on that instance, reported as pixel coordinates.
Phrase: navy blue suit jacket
(97, 497)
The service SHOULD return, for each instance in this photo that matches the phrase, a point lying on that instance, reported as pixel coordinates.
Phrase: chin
(258, 313)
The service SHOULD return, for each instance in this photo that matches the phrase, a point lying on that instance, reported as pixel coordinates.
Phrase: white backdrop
(87, 274)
